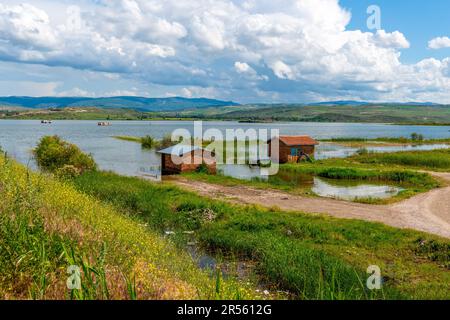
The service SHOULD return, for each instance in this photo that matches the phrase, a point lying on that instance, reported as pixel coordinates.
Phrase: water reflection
(243, 172)
(339, 189)
(330, 150)
(325, 188)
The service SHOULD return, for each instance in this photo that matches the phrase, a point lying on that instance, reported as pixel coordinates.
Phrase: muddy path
(428, 212)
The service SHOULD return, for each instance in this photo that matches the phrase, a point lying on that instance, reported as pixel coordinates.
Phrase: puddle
(243, 172)
(332, 150)
(328, 189)
(241, 269)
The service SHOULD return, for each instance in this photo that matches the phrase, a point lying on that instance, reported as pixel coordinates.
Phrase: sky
(248, 51)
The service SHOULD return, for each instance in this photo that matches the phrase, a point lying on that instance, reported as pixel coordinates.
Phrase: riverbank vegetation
(130, 239)
(47, 225)
(438, 160)
(379, 113)
(58, 156)
(312, 257)
(74, 113)
(415, 139)
(149, 142)
(298, 179)
(365, 113)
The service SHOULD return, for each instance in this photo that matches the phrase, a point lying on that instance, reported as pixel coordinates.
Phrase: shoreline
(229, 120)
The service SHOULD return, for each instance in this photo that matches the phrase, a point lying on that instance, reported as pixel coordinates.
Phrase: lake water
(331, 150)
(18, 137)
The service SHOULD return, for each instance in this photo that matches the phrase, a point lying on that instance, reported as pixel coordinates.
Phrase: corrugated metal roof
(179, 150)
(298, 140)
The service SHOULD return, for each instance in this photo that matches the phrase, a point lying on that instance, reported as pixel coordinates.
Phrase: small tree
(53, 154)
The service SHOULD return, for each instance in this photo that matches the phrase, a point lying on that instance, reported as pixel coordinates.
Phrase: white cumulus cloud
(439, 43)
(289, 50)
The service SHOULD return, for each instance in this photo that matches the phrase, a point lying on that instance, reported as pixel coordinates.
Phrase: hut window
(293, 152)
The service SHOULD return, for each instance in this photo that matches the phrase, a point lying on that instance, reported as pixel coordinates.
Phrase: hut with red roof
(292, 149)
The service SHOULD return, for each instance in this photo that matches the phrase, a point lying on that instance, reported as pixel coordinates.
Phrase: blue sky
(242, 50)
(418, 20)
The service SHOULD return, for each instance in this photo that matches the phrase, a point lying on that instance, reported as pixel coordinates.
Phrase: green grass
(311, 256)
(387, 113)
(366, 174)
(431, 160)
(396, 140)
(128, 138)
(75, 113)
(413, 182)
(378, 113)
(146, 142)
(291, 178)
(47, 225)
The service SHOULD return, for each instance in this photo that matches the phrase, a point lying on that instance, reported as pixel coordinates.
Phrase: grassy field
(130, 238)
(438, 160)
(311, 257)
(47, 225)
(385, 113)
(361, 142)
(79, 113)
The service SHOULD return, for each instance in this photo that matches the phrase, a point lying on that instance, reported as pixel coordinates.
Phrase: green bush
(67, 172)
(148, 142)
(417, 137)
(203, 168)
(362, 151)
(56, 155)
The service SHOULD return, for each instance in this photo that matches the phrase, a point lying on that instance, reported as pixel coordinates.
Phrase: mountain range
(136, 103)
(161, 104)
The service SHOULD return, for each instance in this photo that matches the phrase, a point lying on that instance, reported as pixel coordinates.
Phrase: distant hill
(340, 103)
(369, 113)
(364, 103)
(125, 102)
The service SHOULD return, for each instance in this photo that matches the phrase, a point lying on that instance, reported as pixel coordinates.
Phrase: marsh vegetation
(129, 236)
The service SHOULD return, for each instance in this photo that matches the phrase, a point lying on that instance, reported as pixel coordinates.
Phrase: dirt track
(428, 212)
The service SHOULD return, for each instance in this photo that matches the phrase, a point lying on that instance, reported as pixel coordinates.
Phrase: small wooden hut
(186, 158)
(293, 148)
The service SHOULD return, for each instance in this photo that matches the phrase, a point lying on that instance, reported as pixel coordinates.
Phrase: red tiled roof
(298, 141)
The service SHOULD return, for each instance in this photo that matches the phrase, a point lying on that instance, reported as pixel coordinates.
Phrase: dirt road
(428, 212)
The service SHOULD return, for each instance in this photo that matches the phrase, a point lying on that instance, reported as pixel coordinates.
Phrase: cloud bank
(243, 50)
